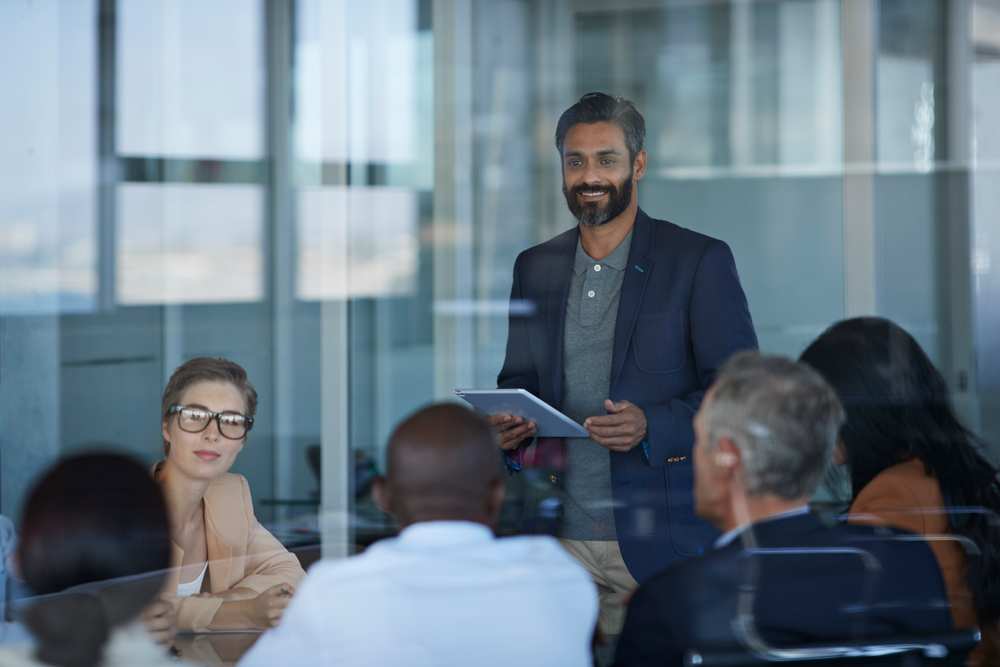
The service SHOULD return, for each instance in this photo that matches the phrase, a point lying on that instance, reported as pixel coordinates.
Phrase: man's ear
(381, 494)
(639, 165)
(727, 454)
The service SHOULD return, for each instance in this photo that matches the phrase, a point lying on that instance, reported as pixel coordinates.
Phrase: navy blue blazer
(681, 314)
(802, 586)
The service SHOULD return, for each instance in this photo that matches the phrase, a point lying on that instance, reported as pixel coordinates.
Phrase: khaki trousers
(603, 560)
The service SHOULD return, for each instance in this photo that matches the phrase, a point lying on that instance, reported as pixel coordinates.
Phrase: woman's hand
(266, 609)
(242, 608)
(160, 619)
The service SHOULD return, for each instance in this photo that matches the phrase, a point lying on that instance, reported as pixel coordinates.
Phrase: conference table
(214, 649)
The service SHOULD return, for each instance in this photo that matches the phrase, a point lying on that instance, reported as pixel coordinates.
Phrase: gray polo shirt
(588, 341)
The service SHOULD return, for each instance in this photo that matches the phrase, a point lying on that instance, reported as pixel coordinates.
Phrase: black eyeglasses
(232, 425)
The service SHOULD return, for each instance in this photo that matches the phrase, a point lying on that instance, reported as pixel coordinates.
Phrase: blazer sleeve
(266, 562)
(518, 370)
(259, 563)
(720, 324)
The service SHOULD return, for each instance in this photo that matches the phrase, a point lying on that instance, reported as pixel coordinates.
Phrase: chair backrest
(937, 650)
(879, 606)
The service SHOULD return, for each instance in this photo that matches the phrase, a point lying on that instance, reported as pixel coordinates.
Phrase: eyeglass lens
(231, 425)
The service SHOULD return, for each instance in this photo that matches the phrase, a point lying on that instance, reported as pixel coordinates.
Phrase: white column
(335, 502)
(453, 228)
(859, 52)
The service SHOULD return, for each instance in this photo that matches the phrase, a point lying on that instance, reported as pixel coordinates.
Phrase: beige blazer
(241, 553)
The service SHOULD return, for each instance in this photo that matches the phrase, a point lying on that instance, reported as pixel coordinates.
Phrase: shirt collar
(730, 536)
(617, 260)
(445, 532)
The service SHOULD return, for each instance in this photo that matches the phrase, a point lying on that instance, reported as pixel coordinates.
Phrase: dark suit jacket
(681, 314)
(799, 598)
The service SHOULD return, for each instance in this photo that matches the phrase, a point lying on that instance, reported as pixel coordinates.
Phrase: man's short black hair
(604, 108)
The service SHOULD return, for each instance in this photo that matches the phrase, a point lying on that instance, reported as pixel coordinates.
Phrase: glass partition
(334, 193)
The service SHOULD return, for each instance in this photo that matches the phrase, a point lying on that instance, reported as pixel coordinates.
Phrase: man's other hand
(511, 429)
(621, 429)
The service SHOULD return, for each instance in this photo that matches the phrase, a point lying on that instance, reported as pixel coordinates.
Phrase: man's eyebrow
(600, 153)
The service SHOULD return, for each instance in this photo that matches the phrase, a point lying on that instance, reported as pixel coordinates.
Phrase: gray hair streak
(784, 418)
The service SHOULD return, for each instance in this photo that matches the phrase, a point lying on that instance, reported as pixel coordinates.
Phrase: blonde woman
(228, 571)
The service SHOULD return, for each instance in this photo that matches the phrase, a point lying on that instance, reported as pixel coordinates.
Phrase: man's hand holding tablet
(511, 429)
(517, 415)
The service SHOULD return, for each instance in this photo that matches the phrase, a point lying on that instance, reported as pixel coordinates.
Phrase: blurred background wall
(332, 193)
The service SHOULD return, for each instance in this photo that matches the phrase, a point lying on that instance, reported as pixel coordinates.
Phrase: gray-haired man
(763, 438)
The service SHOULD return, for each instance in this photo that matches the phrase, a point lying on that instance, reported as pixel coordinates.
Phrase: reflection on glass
(736, 84)
(379, 226)
(911, 41)
(986, 191)
(48, 157)
(189, 243)
(368, 74)
(190, 78)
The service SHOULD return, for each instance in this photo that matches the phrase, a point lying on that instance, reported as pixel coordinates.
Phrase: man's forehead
(594, 138)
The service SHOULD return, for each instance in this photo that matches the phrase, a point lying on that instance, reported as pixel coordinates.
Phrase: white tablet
(551, 423)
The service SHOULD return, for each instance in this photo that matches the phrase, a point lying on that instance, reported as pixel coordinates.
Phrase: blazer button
(553, 479)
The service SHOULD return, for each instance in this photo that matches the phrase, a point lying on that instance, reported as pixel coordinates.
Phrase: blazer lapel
(560, 271)
(640, 265)
(220, 552)
(174, 573)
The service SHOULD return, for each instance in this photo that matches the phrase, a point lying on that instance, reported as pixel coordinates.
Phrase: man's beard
(592, 213)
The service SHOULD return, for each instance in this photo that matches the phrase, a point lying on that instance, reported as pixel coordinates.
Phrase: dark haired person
(909, 458)
(94, 549)
(632, 316)
(230, 573)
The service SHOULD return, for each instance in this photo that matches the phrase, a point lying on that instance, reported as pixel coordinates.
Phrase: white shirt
(191, 587)
(442, 593)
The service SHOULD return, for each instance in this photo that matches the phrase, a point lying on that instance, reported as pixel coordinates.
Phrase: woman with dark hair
(94, 548)
(912, 464)
(230, 573)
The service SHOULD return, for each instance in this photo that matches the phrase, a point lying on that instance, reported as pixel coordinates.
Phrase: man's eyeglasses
(232, 425)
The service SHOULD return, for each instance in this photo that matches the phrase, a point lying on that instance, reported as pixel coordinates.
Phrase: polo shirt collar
(617, 260)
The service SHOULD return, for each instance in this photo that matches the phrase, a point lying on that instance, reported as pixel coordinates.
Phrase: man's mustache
(580, 189)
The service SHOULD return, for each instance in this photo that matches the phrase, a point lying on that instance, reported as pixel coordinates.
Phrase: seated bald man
(445, 591)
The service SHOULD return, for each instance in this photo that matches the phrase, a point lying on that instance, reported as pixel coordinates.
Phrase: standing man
(631, 318)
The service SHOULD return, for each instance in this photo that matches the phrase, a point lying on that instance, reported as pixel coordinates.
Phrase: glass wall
(333, 194)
